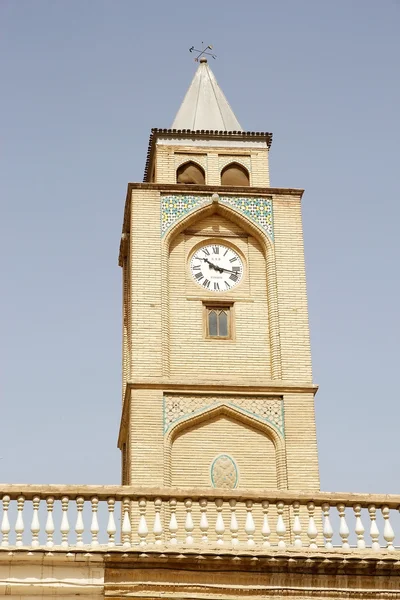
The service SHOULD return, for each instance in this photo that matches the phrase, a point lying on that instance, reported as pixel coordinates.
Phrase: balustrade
(100, 518)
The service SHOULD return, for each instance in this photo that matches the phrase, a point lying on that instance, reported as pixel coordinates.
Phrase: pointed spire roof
(205, 106)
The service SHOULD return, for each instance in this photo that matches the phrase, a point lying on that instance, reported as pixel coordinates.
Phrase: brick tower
(217, 376)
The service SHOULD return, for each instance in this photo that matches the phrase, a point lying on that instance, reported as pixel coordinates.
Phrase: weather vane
(202, 52)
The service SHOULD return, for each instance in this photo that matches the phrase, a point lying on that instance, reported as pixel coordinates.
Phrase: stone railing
(127, 518)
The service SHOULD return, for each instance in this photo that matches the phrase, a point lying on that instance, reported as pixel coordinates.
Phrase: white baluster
(312, 532)
(49, 528)
(94, 526)
(5, 523)
(249, 526)
(35, 525)
(359, 527)
(234, 526)
(374, 531)
(158, 528)
(173, 523)
(219, 524)
(343, 528)
(79, 526)
(203, 521)
(143, 530)
(265, 530)
(280, 526)
(297, 525)
(111, 527)
(388, 532)
(327, 527)
(126, 523)
(189, 526)
(64, 528)
(19, 525)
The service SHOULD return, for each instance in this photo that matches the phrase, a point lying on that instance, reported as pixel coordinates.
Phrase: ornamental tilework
(179, 407)
(257, 209)
(173, 208)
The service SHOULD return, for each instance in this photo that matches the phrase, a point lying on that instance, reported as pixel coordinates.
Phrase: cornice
(223, 387)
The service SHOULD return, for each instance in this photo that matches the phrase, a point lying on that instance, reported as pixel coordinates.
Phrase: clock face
(216, 268)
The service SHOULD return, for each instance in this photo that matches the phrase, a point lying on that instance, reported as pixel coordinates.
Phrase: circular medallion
(224, 472)
(216, 267)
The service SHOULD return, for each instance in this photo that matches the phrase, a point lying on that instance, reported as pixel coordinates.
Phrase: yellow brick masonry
(165, 342)
(291, 287)
(169, 156)
(244, 361)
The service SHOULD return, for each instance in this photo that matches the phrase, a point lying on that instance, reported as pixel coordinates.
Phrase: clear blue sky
(83, 82)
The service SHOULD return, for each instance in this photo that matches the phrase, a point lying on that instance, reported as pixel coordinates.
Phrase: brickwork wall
(248, 354)
(169, 157)
(252, 451)
(292, 293)
(301, 442)
(146, 285)
(146, 438)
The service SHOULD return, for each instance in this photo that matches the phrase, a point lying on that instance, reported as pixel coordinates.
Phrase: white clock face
(216, 268)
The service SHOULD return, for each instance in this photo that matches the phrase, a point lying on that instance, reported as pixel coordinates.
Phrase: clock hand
(215, 267)
(227, 270)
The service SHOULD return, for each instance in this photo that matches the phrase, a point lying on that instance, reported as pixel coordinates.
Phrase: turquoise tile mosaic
(178, 407)
(175, 207)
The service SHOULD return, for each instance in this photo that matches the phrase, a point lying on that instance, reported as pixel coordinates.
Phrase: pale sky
(83, 82)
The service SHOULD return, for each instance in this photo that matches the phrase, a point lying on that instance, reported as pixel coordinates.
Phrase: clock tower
(217, 382)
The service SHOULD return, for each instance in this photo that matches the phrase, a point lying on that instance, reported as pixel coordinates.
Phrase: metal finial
(202, 53)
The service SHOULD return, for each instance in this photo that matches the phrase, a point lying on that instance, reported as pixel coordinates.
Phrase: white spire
(205, 106)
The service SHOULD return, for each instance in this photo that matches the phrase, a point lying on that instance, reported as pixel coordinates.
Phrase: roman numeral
(216, 287)
(216, 249)
(236, 269)
(206, 252)
(233, 259)
(226, 251)
(199, 276)
(233, 277)
(196, 268)
(206, 283)
(228, 287)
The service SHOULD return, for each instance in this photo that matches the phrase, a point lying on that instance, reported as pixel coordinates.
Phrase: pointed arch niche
(182, 325)
(257, 450)
(190, 173)
(235, 174)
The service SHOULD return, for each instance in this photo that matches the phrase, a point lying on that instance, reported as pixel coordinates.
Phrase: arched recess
(267, 247)
(235, 174)
(242, 418)
(190, 173)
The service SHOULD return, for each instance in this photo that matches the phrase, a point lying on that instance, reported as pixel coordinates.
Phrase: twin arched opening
(233, 174)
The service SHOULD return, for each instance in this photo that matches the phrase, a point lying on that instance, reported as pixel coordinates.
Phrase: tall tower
(217, 382)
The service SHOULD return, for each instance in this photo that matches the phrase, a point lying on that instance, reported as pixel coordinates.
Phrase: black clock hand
(215, 267)
(227, 270)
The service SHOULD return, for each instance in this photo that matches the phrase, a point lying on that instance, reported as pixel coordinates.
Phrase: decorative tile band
(178, 407)
(257, 209)
(174, 208)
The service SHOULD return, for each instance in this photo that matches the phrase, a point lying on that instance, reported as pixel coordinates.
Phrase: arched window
(235, 174)
(190, 173)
